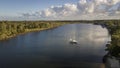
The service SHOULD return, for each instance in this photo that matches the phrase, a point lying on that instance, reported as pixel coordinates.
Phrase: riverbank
(5, 37)
(112, 58)
(114, 47)
(113, 27)
(11, 29)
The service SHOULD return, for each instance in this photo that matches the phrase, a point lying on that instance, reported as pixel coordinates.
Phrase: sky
(59, 9)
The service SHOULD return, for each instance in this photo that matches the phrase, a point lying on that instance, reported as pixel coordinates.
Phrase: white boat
(72, 41)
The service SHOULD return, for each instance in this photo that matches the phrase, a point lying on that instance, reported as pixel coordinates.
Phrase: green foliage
(12, 28)
(114, 29)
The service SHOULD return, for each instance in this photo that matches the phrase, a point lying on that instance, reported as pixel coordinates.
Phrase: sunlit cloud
(83, 9)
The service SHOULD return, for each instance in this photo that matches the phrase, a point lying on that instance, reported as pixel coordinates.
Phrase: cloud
(59, 11)
(83, 9)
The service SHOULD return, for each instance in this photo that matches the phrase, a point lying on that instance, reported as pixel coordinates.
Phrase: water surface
(51, 48)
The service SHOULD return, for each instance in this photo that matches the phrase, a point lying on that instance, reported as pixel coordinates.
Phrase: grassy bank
(10, 29)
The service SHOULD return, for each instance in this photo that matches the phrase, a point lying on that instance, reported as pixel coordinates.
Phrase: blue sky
(59, 9)
(14, 7)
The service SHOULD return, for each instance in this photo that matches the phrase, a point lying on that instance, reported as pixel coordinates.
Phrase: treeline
(9, 29)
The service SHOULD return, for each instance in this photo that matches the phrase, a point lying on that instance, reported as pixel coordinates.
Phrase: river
(51, 48)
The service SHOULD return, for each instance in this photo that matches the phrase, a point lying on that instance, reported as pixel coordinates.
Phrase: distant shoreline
(11, 29)
(34, 30)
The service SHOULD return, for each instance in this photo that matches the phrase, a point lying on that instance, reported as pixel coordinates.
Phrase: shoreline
(14, 35)
(28, 31)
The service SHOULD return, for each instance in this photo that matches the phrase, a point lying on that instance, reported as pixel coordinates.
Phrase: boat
(72, 41)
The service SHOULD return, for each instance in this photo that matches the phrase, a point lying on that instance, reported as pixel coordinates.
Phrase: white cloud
(84, 9)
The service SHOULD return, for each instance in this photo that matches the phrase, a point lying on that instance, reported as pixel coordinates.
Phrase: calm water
(51, 48)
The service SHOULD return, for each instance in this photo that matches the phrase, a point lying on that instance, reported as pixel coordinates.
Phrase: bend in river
(51, 48)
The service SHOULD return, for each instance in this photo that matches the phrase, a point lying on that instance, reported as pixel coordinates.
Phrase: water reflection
(51, 48)
(112, 58)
